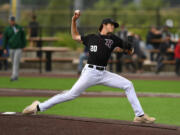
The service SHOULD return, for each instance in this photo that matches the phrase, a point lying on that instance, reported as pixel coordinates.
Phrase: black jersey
(100, 47)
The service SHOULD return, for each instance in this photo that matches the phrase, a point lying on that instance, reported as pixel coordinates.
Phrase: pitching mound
(17, 124)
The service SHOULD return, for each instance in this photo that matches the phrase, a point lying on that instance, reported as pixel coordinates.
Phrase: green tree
(57, 13)
(108, 4)
(148, 4)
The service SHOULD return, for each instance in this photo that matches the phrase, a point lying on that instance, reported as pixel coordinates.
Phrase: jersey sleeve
(5, 38)
(118, 42)
(85, 39)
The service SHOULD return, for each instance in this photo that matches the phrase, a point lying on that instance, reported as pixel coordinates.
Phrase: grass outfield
(166, 110)
(66, 83)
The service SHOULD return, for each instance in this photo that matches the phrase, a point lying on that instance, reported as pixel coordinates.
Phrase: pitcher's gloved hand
(128, 45)
(128, 51)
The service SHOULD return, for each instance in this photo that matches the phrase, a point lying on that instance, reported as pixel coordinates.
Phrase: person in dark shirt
(136, 59)
(83, 56)
(33, 29)
(94, 73)
(153, 41)
(122, 34)
(138, 56)
(4, 62)
(163, 55)
(177, 57)
(165, 31)
(129, 62)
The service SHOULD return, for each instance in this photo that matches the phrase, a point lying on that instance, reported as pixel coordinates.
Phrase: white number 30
(93, 48)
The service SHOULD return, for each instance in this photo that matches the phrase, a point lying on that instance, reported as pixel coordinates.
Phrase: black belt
(98, 68)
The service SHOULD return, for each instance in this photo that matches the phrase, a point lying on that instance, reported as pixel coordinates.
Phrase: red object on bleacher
(177, 50)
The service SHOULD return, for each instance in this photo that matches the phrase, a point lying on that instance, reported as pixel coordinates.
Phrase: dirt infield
(143, 76)
(49, 93)
(57, 125)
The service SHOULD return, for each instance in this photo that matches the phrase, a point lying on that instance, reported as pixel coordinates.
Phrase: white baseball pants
(15, 55)
(91, 77)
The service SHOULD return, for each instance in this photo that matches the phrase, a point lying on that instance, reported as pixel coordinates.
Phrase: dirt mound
(57, 125)
(50, 93)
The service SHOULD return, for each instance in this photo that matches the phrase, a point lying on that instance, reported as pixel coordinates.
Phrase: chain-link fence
(58, 20)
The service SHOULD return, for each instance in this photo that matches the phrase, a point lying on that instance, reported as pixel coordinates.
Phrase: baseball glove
(128, 45)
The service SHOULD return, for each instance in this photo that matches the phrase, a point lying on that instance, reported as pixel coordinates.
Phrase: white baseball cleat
(31, 109)
(144, 119)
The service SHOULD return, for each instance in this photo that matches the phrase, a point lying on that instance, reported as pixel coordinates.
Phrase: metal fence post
(158, 17)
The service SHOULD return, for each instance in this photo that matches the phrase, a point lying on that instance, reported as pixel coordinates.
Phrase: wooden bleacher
(166, 62)
(3, 58)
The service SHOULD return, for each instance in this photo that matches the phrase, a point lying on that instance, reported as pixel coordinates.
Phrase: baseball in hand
(77, 11)
(76, 14)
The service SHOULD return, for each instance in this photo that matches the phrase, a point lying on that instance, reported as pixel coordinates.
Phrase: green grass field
(66, 83)
(166, 110)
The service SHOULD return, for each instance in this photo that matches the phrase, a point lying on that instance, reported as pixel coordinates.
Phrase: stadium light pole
(137, 2)
(78, 4)
(15, 8)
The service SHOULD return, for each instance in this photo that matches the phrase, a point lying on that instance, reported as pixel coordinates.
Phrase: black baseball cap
(12, 18)
(108, 20)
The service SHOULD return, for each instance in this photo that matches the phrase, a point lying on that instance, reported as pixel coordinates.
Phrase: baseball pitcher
(94, 73)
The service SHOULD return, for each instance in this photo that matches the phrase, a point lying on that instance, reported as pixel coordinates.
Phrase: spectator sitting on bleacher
(129, 64)
(177, 57)
(163, 55)
(122, 34)
(83, 56)
(138, 56)
(33, 30)
(153, 40)
(165, 31)
(135, 62)
(4, 62)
